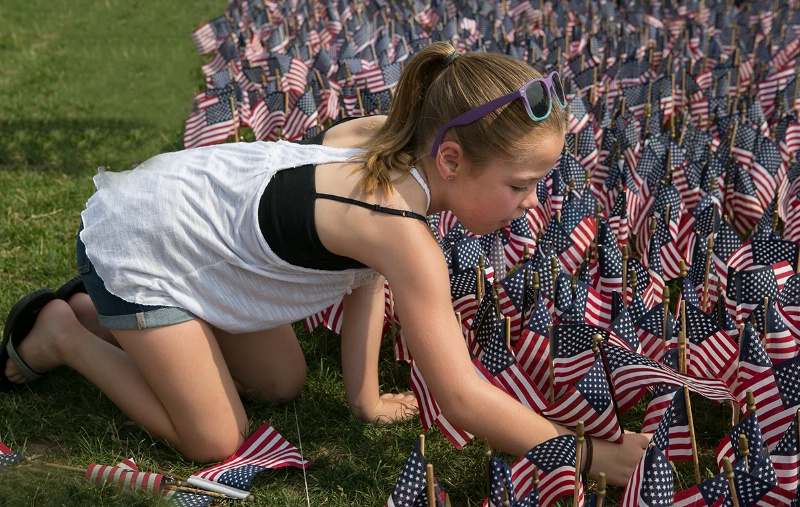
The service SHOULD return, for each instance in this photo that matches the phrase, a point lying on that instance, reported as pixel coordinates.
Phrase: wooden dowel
(600, 489)
(431, 486)
(726, 466)
(550, 358)
(744, 451)
(706, 274)
(692, 437)
(579, 438)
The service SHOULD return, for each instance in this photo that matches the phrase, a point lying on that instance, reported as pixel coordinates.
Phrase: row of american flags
(232, 478)
(679, 180)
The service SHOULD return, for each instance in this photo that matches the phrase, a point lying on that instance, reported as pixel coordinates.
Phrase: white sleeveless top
(182, 230)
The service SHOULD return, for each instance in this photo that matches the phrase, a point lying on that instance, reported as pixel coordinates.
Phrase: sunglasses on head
(537, 95)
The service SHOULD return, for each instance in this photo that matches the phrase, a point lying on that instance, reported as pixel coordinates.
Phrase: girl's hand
(392, 407)
(618, 461)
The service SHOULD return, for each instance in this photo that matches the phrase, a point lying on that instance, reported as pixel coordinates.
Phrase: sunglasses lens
(559, 90)
(538, 99)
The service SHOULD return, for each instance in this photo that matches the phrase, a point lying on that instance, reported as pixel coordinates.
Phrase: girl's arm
(362, 327)
(415, 267)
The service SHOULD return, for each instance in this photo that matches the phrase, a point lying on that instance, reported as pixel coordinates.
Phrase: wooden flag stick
(508, 332)
(726, 466)
(431, 486)
(551, 355)
(600, 490)
(682, 351)
(525, 303)
(751, 401)
(579, 438)
(744, 451)
(695, 457)
(422, 444)
(597, 338)
(233, 115)
(706, 274)
(665, 302)
(766, 331)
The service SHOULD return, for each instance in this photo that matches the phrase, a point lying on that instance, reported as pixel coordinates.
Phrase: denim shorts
(114, 312)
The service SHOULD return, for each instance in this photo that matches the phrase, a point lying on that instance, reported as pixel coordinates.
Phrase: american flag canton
(465, 253)
(410, 489)
(751, 350)
(554, 455)
(787, 377)
(540, 317)
(186, 499)
(752, 285)
(622, 327)
(556, 237)
(768, 252)
(518, 290)
(594, 387)
(727, 241)
(751, 490)
(7, 457)
(751, 430)
(657, 485)
(495, 356)
(218, 113)
(668, 195)
(706, 215)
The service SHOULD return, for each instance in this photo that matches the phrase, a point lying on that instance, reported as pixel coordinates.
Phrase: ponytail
(436, 87)
(394, 144)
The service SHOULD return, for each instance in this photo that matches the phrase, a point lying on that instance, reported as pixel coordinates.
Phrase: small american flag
(265, 449)
(411, 489)
(555, 460)
(652, 483)
(7, 457)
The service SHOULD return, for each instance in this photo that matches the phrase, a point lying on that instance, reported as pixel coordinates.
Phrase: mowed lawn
(110, 83)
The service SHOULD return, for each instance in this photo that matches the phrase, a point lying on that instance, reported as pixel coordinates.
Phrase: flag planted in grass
(7, 457)
(265, 448)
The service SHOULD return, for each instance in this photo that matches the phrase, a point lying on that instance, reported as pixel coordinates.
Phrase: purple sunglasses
(535, 94)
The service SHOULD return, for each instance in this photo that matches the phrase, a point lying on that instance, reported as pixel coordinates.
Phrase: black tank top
(286, 217)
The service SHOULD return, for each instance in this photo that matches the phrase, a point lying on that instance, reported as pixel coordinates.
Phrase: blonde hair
(431, 92)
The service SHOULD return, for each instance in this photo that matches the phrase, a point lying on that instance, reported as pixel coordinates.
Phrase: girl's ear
(448, 159)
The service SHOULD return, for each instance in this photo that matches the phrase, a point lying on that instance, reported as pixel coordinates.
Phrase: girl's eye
(519, 189)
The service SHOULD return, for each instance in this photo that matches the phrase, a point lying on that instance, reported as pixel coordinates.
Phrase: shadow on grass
(70, 146)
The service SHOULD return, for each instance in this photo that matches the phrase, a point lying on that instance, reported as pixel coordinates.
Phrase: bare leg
(267, 366)
(171, 380)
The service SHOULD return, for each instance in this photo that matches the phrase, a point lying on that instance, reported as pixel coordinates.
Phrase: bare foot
(393, 407)
(39, 349)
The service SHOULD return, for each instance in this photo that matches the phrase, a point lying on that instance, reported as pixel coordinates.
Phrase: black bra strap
(373, 207)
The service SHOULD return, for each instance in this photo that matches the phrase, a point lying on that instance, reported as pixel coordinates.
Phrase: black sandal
(19, 323)
(70, 288)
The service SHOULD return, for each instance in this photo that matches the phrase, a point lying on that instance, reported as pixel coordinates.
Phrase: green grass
(110, 83)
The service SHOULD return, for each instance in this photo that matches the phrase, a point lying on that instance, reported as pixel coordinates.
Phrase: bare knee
(277, 389)
(211, 446)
